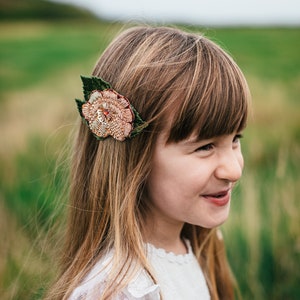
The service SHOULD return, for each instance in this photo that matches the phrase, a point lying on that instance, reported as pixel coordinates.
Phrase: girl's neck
(164, 235)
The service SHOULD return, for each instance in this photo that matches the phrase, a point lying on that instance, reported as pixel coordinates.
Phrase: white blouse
(179, 277)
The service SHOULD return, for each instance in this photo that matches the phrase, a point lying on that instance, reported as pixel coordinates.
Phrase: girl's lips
(219, 198)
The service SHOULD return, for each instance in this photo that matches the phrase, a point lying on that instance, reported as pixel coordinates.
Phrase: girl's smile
(191, 181)
(219, 198)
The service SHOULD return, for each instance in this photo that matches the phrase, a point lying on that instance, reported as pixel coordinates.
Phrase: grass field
(39, 78)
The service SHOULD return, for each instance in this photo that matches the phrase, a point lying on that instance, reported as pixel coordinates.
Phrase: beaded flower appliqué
(106, 112)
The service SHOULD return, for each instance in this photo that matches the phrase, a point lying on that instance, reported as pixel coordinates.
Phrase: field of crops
(39, 78)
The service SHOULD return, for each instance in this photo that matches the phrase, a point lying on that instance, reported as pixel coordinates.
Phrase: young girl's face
(191, 181)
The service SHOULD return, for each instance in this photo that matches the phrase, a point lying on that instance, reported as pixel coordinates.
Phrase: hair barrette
(106, 112)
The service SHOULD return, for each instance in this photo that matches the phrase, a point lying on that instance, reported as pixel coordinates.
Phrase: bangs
(217, 101)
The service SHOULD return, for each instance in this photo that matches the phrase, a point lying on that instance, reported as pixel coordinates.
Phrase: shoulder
(141, 287)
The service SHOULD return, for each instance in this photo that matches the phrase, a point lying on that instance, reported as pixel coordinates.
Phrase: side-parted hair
(166, 74)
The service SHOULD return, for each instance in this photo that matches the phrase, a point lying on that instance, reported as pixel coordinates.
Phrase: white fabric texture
(179, 277)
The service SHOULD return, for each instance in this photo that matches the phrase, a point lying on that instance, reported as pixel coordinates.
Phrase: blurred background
(45, 46)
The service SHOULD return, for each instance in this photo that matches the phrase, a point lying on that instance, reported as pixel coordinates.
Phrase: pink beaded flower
(108, 113)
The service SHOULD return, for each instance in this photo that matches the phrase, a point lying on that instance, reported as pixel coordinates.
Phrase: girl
(155, 161)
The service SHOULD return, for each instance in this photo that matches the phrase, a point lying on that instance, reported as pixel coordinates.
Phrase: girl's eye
(237, 138)
(206, 147)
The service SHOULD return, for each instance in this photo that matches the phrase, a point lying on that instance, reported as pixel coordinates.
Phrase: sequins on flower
(108, 114)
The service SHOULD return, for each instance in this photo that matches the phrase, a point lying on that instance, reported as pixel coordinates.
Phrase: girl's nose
(230, 166)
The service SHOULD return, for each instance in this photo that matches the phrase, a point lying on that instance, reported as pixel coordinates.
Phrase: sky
(197, 12)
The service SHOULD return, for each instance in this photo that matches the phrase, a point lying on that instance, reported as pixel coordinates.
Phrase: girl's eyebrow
(196, 140)
(192, 141)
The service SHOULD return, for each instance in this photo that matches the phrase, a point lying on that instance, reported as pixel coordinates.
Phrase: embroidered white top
(179, 277)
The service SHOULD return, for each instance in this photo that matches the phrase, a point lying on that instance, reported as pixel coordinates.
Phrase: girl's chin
(216, 219)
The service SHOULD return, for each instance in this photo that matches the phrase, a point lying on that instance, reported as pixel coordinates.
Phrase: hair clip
(106, 112)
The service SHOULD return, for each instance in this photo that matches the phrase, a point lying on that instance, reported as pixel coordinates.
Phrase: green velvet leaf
(138, 124)
(91, 84)
(79, 106)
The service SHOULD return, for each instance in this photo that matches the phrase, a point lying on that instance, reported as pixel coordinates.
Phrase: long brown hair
(162, 71)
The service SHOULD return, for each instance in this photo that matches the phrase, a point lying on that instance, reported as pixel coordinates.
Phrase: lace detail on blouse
(170, 256)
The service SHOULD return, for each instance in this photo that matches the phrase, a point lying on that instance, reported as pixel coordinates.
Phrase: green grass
(39, 78)
(268, 53)
(29, 53)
